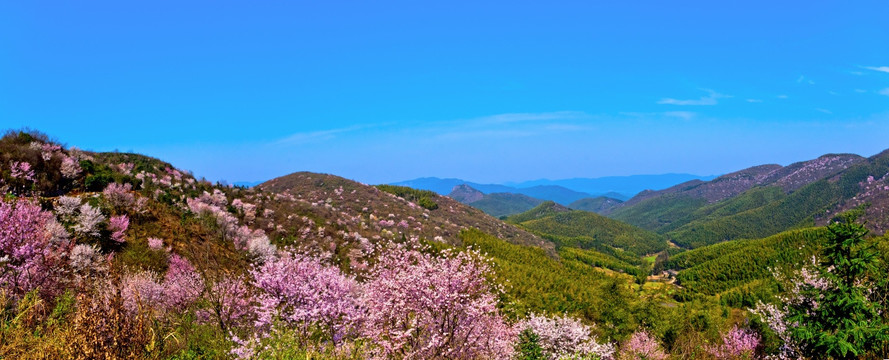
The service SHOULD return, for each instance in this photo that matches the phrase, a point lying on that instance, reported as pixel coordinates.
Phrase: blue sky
(487, 91)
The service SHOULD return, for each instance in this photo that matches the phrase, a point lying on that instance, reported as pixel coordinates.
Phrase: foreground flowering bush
(736, 344)
(413, 305)
(831, 307)
(423, 307)
(28, 259)
(561, 337)
(316, 300)
(642, 346)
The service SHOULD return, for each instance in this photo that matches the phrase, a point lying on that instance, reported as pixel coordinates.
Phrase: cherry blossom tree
(642, 346)
(119, 197)
(118, 226)
(737, 343)
(88, 220)
(302, 292)
(27, 255)
(563, 336)
(424, 307)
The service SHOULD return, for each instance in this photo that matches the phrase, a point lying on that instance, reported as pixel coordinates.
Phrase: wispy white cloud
(801, 79)
(884, 69)
(320, 135)
(511, 125)
(485, 134)
(782, 96)
(823, 111)
(711, 99)
(567, 127)
(526, 117)
(860, 91)
(754, 100)
(684, 115)
(884, 92)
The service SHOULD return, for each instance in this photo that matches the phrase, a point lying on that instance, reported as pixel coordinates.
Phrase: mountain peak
(465, 194)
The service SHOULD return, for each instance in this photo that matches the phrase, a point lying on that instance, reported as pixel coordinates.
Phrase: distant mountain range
(562, 191)
(763, 200)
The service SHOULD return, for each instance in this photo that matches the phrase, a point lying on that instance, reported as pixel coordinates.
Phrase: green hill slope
(796, 210)
(742, 270)
(596, 204)
(545, 209)
(503, 204)
(659, 212)
(590, 230)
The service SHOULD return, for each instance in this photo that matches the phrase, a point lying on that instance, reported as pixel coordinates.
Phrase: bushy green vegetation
(542, 210)
(794, 211)
(582, 229)
(536, 282)
(424, 198)
(656, 213)
(599, 260)
(751, 199)
(718, 268)
(504, 204)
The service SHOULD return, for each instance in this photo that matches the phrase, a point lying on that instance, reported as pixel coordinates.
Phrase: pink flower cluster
(303, 293)
(642, 346)
(180, 288)
(413, 305)
(22, 170)
(420, 306)
(119, 196)
(27, 257)
(155, 243)
(254, 241)
(118, 226)
(737, 343)
(70, 168)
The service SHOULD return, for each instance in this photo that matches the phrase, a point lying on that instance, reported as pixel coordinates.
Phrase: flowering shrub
(70, 168)
(155, 243)
(179, 289)
(88, 220)
(229, 303)
(308, 295)
(21, 170)
(261, 249)
(118, 226)
(84, 258)
(423, 307)
(119, 197)
(66, 207)
(561, 337)
(27, 257)
(642, 346)
(737, 343)
(182, 284)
